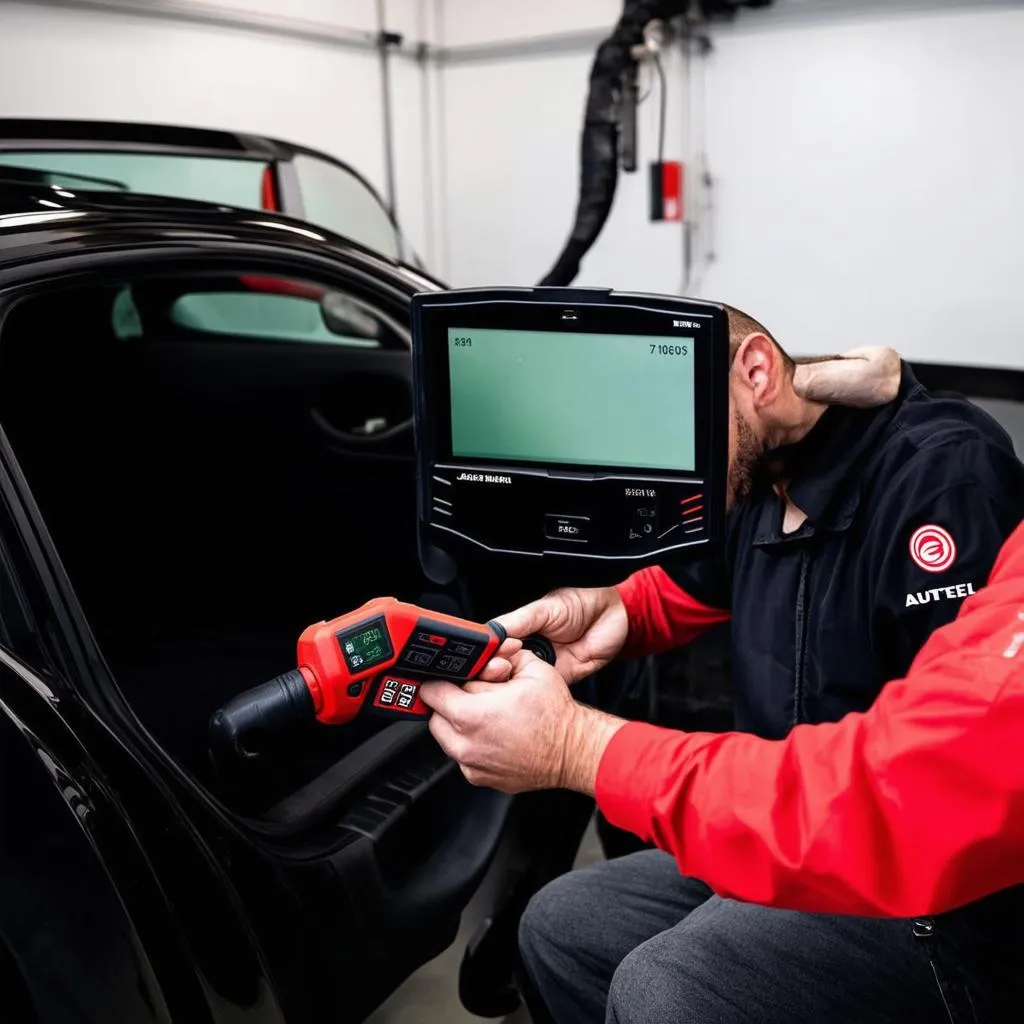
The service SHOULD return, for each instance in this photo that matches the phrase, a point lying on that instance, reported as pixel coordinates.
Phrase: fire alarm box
(667, 190)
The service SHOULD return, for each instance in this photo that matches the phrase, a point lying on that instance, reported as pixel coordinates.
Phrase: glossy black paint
(129, 858)
(36, 221)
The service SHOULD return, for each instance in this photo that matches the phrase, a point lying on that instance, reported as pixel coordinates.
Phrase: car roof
(142, 137)
(30, 209)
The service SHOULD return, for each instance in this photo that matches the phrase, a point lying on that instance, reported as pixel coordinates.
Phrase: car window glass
(208, 179)
(259, 309)
(332, 197)
(127, 323)
(336, 199)
(271, 317)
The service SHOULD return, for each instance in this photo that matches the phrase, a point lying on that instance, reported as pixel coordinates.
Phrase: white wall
(869, 181)
(512, 154)
(468, 22)
(867, 161)
(867, 166)
(117, 66)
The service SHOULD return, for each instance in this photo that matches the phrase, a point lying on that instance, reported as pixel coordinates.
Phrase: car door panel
(329, 482)
(355, 870)
(71, 966)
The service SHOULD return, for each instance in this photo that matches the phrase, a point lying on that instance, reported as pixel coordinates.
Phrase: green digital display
(365, 646)
(618, 400)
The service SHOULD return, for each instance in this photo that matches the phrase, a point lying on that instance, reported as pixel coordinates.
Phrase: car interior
(210, 456)
(221, 461)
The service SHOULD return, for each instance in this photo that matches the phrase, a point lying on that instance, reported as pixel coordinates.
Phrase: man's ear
(758, 368)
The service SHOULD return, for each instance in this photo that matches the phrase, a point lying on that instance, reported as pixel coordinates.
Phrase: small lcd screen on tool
(365, 646)
(615, 400)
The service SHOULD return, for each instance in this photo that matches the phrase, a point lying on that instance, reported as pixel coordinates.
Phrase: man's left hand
(526, 733)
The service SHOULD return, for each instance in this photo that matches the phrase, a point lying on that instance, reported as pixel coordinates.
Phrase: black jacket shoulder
(935, 441)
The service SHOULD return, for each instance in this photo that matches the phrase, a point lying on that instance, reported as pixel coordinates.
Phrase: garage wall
(513, 114)
(866, 157)
(868, 177)
(866, 160)
(105, 63)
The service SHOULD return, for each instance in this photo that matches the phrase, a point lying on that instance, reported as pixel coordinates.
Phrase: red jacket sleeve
(915, 807)
(662, 615)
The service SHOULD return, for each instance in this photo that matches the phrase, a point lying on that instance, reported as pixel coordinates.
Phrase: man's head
(765, 410)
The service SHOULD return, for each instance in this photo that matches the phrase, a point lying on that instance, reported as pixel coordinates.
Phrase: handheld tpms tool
(577, 424)
(371, 660)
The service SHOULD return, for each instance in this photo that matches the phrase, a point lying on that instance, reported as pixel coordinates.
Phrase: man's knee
(637, 994)
(547, 921)
(666, 979)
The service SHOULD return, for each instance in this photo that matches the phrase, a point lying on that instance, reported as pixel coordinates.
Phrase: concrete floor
(430, 996)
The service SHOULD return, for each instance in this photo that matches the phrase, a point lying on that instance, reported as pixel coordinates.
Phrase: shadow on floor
(430, 996)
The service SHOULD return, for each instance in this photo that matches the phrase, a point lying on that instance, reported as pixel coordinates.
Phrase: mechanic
(920, 810)
(853, 534)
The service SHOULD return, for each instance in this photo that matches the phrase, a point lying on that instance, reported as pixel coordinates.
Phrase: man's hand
(526, 733)
(863, 378)
(587, 626)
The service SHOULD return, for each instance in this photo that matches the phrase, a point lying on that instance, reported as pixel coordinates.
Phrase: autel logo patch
(484, 478)
(932, 548)
(939, 594)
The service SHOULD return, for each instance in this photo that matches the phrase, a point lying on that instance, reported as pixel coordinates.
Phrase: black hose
(599, 146)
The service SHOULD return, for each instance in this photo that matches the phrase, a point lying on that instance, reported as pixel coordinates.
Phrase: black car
(207, 445)
(240, 170)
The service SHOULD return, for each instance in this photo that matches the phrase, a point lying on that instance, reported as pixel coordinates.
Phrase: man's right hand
(587, 626)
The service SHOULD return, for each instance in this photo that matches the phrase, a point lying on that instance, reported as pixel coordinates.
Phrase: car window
(275, 317)
(208, 179)
(266, 309)
(58, 179)
(337, 200)
(332, 197)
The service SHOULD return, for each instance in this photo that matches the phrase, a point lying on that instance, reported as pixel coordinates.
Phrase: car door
(201, 493)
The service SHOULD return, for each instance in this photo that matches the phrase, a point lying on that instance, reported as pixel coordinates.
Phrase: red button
(432, 638)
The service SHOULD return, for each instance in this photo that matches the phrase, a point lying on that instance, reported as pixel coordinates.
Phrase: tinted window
(258, 308)
(276, 317)
(332, 197)
(209, 179)
(340, 202)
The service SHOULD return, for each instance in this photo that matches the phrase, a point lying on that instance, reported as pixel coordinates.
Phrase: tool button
(642, 525)
(407, 695)
(354, 689)
(419, 657)
(574, 529)
(449, 663)
(431, 638)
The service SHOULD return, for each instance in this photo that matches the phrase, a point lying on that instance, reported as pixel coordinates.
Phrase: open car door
(214, 448)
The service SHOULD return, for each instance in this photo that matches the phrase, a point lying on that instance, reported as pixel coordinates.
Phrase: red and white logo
(932, 548)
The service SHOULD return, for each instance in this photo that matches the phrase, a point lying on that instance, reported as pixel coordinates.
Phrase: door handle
(359, 437)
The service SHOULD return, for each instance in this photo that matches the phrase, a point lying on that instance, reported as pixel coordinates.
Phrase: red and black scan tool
(371, 660)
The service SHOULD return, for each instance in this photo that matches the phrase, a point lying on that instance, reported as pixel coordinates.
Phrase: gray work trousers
(631, 941)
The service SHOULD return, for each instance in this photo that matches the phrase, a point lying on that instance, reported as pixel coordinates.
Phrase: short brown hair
(742, 325)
